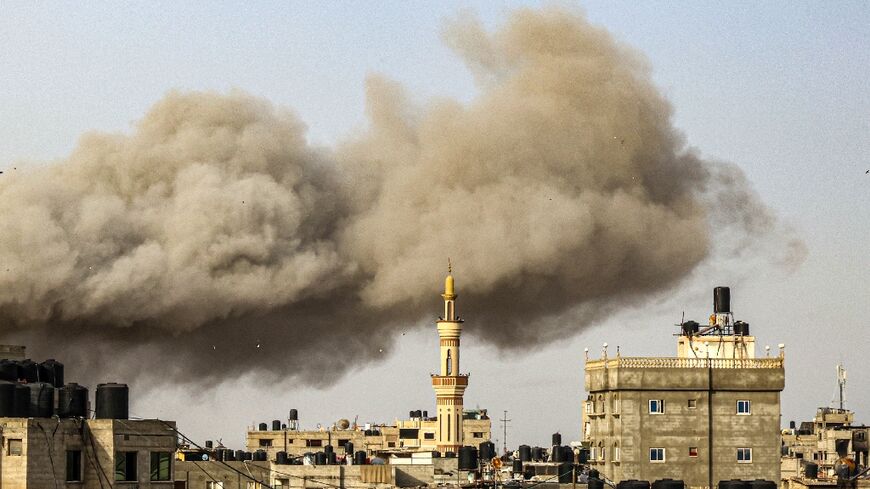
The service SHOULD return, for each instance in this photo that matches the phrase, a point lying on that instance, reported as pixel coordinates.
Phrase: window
(73, 465)
(449, 366)
(657, 455)
(593, 453)
(313, 443)
(161, 464)
(265, 442)
(601, 455)
(615, 452)
(279, 483)
(252, 485)
(615, 404)
(656, 406)
(477, 434)
(743, 407)
(409, 433)
(744, 455)
(125, 466)
(693, 403)
(589, 407)
(430, 436)
(14, 447)
(214, 485)
(693, 451)
(391, 444)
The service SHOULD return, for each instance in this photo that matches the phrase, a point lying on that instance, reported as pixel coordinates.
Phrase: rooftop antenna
(841, 383)
(449, 266)
(504, 423)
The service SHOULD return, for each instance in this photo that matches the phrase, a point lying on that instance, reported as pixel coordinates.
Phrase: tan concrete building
(711, 413)
(825, 441)
(86, 454)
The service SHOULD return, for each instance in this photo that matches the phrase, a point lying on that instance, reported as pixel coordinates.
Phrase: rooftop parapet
(674, 362)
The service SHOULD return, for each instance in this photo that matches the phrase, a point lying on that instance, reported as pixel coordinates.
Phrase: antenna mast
(841, 383)
(504, 422)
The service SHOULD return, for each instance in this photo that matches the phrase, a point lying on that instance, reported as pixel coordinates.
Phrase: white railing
(669, 362)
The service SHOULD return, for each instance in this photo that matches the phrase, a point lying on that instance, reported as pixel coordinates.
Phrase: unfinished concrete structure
(86, 453)
(709, 414)
(827, 440)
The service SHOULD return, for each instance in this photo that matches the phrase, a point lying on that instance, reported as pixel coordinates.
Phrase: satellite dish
(343, 424)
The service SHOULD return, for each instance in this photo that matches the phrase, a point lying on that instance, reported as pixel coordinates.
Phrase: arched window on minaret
(449, 363)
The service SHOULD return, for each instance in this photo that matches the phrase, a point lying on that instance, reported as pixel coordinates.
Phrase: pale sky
(779, 88)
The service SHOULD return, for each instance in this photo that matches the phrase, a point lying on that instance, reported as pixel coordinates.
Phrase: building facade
(86, 453)
(709, 414)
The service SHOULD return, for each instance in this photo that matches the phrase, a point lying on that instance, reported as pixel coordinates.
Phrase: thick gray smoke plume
(213, 237)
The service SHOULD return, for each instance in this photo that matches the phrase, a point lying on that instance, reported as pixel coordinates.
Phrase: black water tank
(566, 473)
(583, 456)
(449, 454)
(517, 467)
(568, 454)
(229, 455)
(721, 299)
(333, 459)
(294, 415)
(594, 474)
(633, 484)
(9, 370)
(557, 439)
(276, 425)
(762, 484)
(486, 450)
(51, 371)
(22, 401)
(734, 484)
(425, 414)
(792, 425)
(811, 471)
(249, 456)
(410, 414)
(467, 458)
(741, 328)
(261, 456)
(330, 454)
(348, 448)
(112, 401)
(556, 454)
(359, 458)
(668, 484)
(219, 454)
(525, 453)
(41, 399)
(281, 458)
(7, 399)
(690, 328)
(319, 458)
(72, 401)
(262, 427)
(28, 370)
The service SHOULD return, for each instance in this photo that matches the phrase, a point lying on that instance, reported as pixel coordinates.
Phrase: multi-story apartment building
(711, 413)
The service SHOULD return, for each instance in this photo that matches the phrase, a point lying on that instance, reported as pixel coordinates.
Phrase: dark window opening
(313, 443)
(429, 436)
(161, 463)
(125, 466)
(73, 465)
(477, 434)
(14, 447)
(409, 433)
(265, 442)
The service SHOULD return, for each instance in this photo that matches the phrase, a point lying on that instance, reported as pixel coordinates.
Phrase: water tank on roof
(537, 454)
(51, 371)
(359, 458)
(486, 450)
(669, 484)
(348, 448)
(583, 456)
(28, 370)
(229, 455)
(762, 484)
(811, 471)
(467, 458)
(566, 473)
(72, 401)
(41, 399)
(734, 484)
(320, 458)
(722, 301)
(294, 415)
(567, 454)
(517, 466)
(276, 425)
(690, 328)
(449, 454)
(633, 484)
(22, 401)
(112, 401)
(7, 399)
(557, 439)
(219, 454)
(281, 458)
(9, 370)
(741, 328)
(525, 453)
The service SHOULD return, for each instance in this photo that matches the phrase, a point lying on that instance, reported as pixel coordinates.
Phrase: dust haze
(212, 240)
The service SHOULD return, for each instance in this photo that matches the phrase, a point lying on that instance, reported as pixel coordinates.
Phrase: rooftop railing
(668, 362)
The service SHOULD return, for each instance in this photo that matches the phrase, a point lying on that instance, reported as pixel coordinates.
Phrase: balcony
(449, 381)
(673, 362)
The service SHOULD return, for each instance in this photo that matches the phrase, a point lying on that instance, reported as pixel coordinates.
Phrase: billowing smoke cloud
(214, 238)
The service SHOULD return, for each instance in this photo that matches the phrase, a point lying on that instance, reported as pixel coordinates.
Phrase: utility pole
(504, 422)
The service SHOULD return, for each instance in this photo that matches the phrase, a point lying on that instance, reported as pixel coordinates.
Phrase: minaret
(449, 385)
